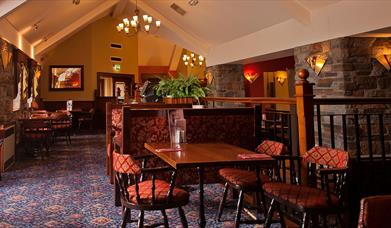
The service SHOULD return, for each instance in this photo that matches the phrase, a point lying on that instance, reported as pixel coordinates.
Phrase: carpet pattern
(70, 189)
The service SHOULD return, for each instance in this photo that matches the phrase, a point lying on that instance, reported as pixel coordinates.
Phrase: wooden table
(205, 155)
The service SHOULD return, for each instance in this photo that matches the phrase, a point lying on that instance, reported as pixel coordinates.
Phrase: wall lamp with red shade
(251, 76)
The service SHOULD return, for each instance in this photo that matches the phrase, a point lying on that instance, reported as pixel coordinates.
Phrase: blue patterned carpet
(70, 189)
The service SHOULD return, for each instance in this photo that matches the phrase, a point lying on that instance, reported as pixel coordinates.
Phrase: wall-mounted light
(385, 60)
(317, 62)
(251, 76)
(281, 76)
(209, 76)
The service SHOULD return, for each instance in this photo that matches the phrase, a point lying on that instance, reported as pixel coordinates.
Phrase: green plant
(181, 87)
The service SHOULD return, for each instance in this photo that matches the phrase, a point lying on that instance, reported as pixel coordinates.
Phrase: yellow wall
(74, 51)
(90, 47)
(281, 91)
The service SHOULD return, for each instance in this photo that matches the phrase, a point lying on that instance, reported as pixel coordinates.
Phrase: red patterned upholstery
(245, 179)
(375, 212)
(179, 196)
(335, 158)
(270, 148)
(124, 163)
(305, 197)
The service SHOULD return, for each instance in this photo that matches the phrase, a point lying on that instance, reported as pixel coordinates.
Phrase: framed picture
(66, 77)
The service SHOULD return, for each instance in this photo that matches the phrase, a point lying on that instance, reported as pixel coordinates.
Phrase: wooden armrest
(332, 171)
(157, 169)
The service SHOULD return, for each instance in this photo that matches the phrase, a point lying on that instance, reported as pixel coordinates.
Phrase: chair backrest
(125, 164)
(325, 156)
(330, 159)
(35, 125)
(39, 115)
(59, 116)
(375, 212)
(271, 148)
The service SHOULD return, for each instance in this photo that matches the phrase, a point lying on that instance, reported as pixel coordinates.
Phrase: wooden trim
(352, 100)
(253, 100)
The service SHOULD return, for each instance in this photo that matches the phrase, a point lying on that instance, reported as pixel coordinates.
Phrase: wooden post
(305, 115)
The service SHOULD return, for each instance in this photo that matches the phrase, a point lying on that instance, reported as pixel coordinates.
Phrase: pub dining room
(195, 113)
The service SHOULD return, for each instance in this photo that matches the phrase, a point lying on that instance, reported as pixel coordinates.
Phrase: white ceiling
(206, 28)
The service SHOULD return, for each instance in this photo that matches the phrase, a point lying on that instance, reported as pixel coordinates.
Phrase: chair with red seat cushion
(375, 212)
(245, 181)
(36, 135)
(61, 124)
(331, 166)
(144, 195)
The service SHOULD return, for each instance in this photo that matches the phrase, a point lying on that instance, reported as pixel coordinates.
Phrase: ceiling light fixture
(137, 23)
(193, 60)
(76, 2)
(193, 2)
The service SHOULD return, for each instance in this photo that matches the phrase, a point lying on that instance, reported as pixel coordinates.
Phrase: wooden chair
(36, 134)
(61, 124)
(375, 212)
(245, 181)
(146, 195)
(86, 117)
(327, 171)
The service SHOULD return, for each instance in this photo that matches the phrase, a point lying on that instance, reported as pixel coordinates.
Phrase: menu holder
(253, 156)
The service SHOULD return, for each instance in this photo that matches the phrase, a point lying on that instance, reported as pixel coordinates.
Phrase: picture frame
(66, 77)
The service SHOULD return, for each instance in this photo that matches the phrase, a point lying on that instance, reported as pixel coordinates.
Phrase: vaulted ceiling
(224, 30)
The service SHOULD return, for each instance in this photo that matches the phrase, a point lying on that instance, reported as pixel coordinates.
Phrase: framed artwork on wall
(66, 77)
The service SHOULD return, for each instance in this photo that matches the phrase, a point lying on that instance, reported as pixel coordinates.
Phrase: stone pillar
(351, 70)
(227, 82)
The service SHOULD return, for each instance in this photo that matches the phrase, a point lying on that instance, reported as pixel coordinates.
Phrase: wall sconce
(251, 76)
(281, 76)
(385, 60)
(316, 62)
(209, 77)
(193, 60)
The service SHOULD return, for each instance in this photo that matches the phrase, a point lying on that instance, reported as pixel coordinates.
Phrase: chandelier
(136, 23)
(192, 60)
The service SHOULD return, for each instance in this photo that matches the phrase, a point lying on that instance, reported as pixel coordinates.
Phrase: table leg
(202, 220)
(117, 200)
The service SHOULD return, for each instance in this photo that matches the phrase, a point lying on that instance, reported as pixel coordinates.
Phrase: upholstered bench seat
(243, 178)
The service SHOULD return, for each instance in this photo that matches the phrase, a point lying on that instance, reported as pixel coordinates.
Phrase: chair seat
(179, 197)
(301, 196)
(246, 180)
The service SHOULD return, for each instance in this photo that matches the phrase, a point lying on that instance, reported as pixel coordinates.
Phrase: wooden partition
(229, 125)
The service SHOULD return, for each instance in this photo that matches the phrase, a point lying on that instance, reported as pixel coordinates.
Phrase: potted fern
(180, 90)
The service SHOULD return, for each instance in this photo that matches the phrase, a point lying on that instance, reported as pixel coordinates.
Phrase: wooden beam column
(305, 115)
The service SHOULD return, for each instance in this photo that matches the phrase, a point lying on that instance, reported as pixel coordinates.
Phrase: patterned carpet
(70, 189)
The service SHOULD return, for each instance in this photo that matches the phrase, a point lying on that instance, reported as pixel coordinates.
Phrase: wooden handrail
(352, 100)
(253, 100)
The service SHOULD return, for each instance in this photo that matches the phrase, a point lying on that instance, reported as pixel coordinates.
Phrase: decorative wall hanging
(66, 77)
(24, 75)
(37, 76)
(316, 62)
(5, 56)
(385, 60)
(251, 76)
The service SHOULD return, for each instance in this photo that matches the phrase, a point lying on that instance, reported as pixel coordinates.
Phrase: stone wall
(227, 82)
(10, 67)
(351, 70)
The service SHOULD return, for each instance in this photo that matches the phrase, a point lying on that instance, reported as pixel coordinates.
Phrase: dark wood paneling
(61, 105)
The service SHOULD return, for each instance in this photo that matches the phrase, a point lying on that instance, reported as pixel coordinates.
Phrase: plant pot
(198, 106)
(178, 100)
